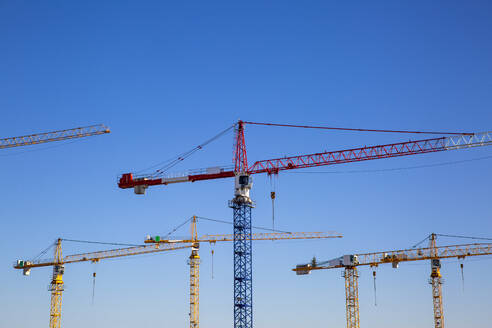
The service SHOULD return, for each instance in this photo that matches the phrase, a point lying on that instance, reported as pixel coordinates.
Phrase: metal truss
(243, 286)
(352, 296)
(53, 136)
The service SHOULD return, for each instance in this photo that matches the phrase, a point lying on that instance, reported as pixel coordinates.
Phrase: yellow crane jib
(38, 138)
(253, 236)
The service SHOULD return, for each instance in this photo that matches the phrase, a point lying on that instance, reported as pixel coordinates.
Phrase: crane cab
(242, 186)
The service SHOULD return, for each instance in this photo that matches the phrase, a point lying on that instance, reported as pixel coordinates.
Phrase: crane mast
(57, 287)
(194, 262)
(352, 296)
(436, 282)
(241, 206)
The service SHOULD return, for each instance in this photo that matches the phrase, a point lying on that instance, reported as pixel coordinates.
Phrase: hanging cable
(360, 130)
(272, 196)
(462, 277)
(212, 251)
(94, 282)
(273, 180)
(374, 277)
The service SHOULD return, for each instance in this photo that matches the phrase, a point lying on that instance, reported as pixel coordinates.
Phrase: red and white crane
(274, 166)
(242, 171)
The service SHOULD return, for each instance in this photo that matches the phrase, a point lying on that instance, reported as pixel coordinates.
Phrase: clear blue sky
(166, 76)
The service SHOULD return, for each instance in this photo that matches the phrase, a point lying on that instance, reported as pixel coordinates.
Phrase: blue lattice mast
(241, 206)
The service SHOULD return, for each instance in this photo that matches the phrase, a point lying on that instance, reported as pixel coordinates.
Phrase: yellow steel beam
(59, 135)
(254, 236)
(96, 256)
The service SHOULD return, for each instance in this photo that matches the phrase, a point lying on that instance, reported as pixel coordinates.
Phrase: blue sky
(167, 76)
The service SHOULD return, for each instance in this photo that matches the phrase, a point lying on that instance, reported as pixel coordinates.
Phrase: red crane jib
(273, 166)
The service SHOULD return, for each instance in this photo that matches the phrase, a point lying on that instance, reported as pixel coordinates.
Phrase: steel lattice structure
(194, 262)
(39, 138)
(56, 287)
(352, 296)
(436, 282)
(243, 267)
(371, 153)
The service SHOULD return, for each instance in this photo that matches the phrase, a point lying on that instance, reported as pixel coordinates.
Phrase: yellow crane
(58, 263)
(59, 135)
(194, 259)
(432, 253)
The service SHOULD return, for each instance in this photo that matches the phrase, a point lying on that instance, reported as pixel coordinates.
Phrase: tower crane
(194, 259)
(38, 138)
(432, 253)
(242, 204)
(58, 263)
